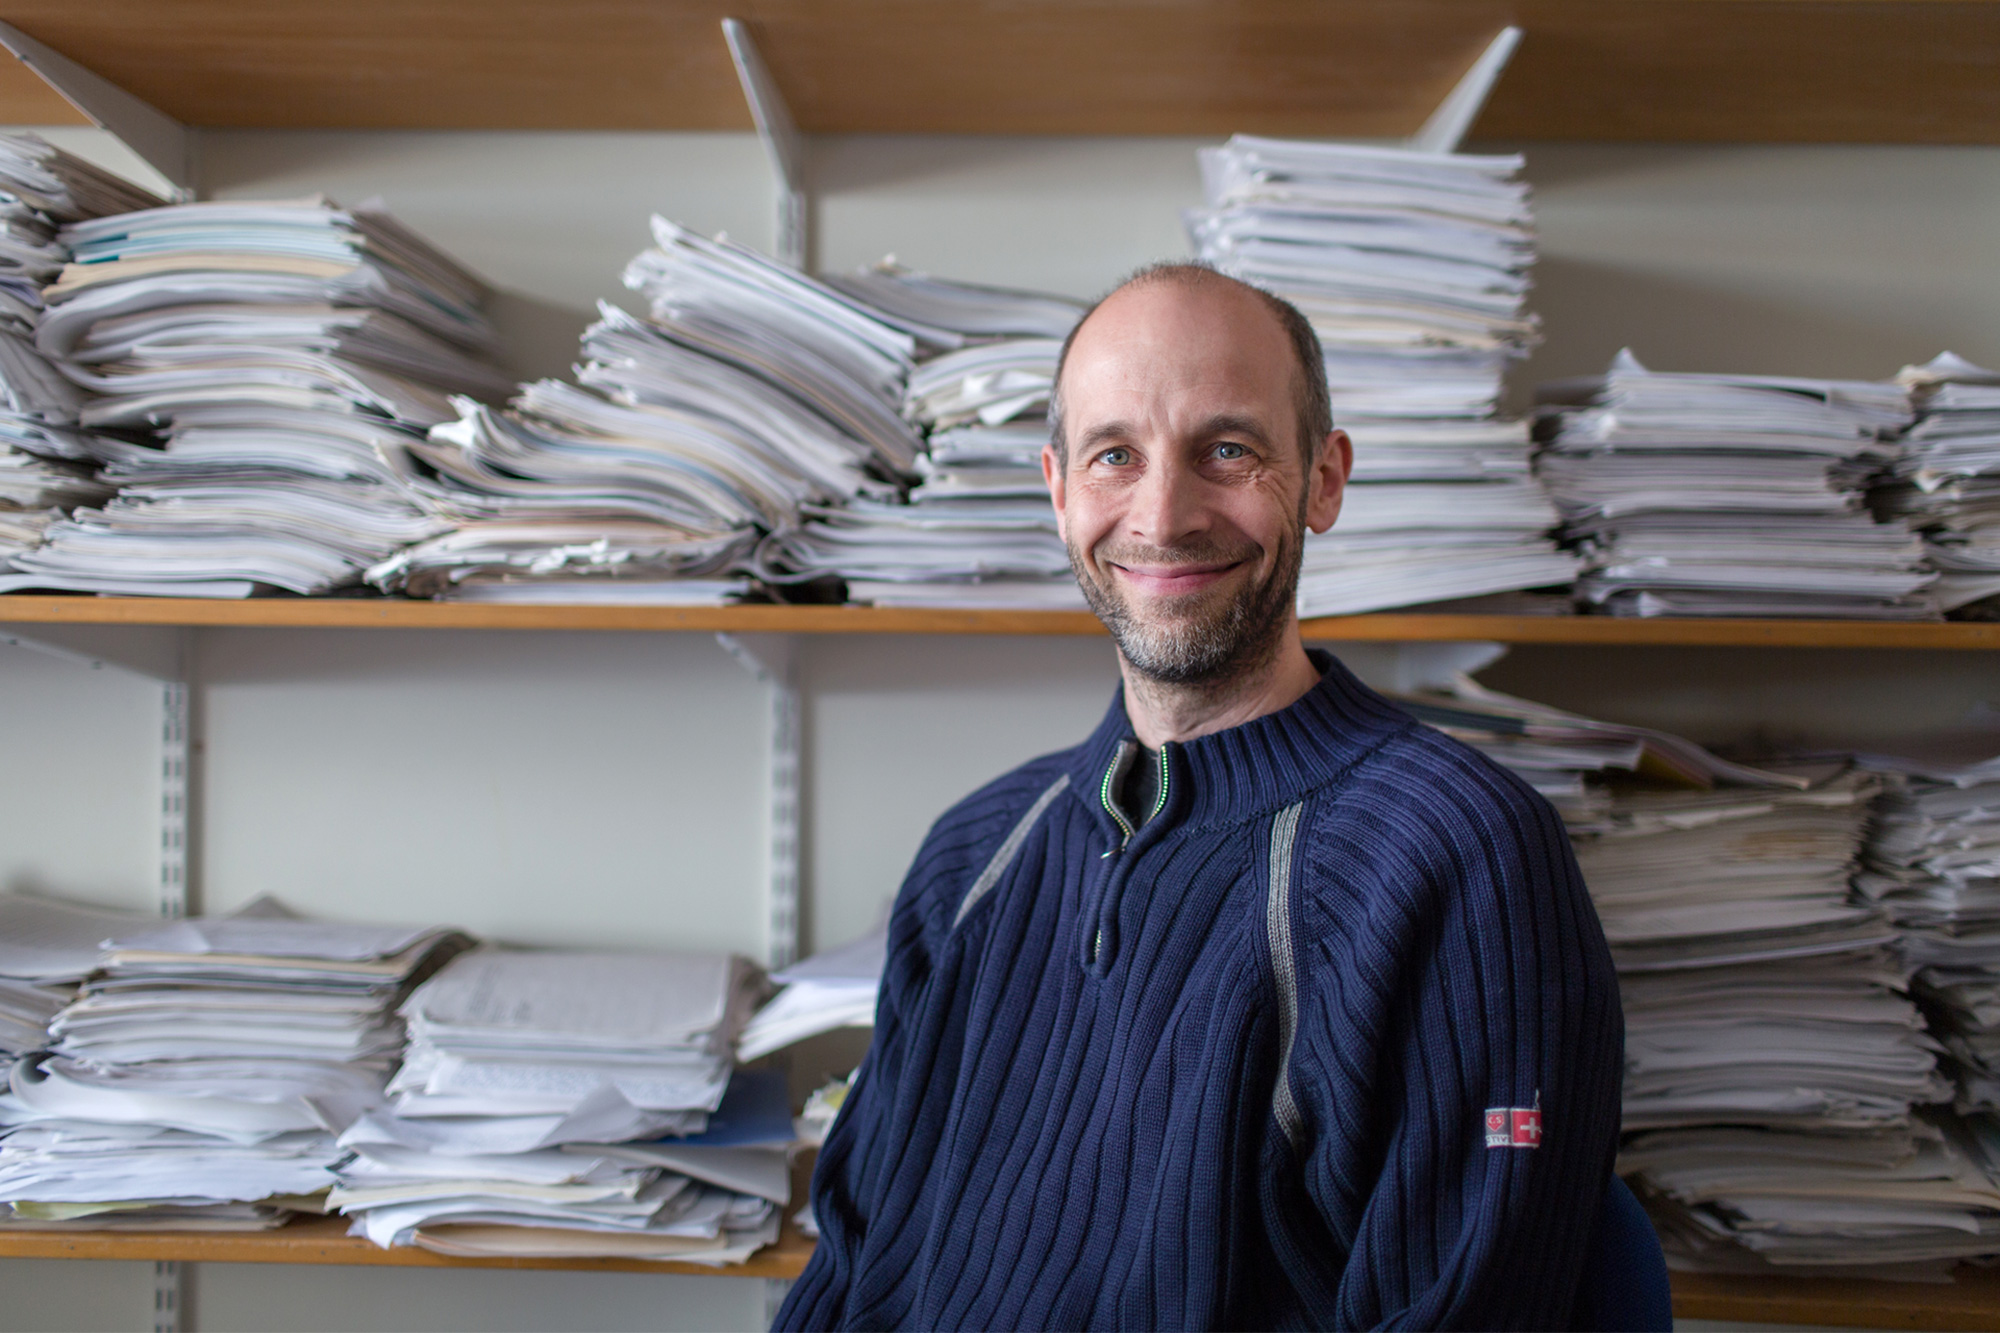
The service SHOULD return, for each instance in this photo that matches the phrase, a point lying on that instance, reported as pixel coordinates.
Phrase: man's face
(1187, 493)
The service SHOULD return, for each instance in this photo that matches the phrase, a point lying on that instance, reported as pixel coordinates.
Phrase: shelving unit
(1744, 71)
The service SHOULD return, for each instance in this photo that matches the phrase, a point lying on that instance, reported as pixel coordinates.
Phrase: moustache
(1194, 551)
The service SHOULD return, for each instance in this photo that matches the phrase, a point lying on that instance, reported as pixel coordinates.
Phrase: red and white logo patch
(1514, 1126)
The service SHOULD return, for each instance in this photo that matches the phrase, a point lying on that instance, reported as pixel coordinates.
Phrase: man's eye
(1230, 451)
(1115, 457)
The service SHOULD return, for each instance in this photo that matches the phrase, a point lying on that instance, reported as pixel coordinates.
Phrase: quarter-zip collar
(1263, 765)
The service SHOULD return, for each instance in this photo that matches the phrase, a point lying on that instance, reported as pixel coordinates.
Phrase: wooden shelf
(1388, 627)
(1972, 1302)
(324, 1240)
(1886, 71)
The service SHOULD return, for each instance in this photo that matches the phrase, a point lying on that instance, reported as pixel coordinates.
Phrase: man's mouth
(1175, 580)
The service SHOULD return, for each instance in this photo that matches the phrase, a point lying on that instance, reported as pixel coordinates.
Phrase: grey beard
(1210, 648)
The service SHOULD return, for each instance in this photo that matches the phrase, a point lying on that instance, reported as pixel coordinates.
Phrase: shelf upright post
(783, 144)
(1447, 127)
(771, 658)
(162, 142)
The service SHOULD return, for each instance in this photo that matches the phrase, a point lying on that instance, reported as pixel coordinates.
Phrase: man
(1209, 1022)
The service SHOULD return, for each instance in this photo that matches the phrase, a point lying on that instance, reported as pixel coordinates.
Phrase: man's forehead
(1176, 333)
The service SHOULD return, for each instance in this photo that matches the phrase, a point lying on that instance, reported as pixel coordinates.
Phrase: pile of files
(1946, 483)
(1933, 867)
(288, 353)
(751, 391)
(203, 1072)
(524, 1117)
(834, 989)
(1781, 1094)
(1730, 495)
(46, 461)
(1412, 268)
(978, 530)
(47, 947)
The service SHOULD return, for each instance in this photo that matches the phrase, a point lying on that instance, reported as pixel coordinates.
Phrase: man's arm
(1457, 1068)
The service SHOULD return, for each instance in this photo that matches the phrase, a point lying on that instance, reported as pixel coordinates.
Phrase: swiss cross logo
(1515, 1126)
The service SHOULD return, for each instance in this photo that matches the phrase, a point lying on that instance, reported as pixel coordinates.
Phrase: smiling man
(1265, 1007)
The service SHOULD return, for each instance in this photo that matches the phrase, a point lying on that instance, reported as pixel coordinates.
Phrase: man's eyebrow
(1227, 423)
(1105, 431)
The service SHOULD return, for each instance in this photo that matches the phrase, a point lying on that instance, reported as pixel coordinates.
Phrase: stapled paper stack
(1413, 270)
(524, 1069)
(978, 529)
(1730, 495)
(203, 1072)
(1946, 483)
(750, 391)
(47, 461)
(290, 352)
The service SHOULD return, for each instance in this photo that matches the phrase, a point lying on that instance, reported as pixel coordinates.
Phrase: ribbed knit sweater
(1235, 1069)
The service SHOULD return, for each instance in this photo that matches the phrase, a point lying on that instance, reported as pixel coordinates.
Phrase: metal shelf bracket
(1449, 124)
(164, 143)
(783, 144)
(772, 659)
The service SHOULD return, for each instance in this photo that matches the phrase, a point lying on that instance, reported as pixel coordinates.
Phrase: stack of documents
(978, 530)
(47, 946)
(835, 989)
(206, 1068)
(1413, 270)
(1946, 483)
(1933, 866)
(1730, 495)
(514, 1057)
(46, 462)
(288, 352)
(749, 392)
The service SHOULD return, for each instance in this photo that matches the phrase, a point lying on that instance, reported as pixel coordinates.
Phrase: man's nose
(1167, 505)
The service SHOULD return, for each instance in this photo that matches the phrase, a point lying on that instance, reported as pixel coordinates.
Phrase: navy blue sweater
(1236, 1068)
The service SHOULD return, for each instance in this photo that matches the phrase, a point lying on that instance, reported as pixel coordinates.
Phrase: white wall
(602, 788)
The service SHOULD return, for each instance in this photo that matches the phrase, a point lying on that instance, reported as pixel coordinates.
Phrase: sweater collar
(1265, 764)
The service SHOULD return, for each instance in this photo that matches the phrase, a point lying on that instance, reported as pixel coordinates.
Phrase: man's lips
(1174, 580)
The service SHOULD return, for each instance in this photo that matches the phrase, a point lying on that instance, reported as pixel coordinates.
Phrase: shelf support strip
(783, 143)
(771, 658)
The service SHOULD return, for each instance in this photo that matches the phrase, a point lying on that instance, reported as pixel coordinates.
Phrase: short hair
(1310, 395)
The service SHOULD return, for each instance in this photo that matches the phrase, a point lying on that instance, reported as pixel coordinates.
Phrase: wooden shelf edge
(1971, 1302)
(1381, 627)
(325, 1241)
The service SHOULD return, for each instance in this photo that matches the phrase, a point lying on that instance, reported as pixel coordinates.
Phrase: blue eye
(1230, 450)
(1115, 457)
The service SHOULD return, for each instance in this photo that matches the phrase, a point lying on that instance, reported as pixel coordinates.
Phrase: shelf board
(1972, 1302)
(1888, 71)
(1385, 627)
(324, 1240)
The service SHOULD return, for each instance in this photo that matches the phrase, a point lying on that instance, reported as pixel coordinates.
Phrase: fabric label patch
(1514, 1126)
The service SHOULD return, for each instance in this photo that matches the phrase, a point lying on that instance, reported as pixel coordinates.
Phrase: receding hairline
(1308, 369)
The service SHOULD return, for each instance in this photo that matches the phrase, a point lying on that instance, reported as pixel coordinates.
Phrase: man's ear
(1327, 482)
(1052, 474)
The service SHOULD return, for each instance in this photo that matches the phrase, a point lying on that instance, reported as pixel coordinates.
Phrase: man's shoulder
(968, 835)
(1425, 801)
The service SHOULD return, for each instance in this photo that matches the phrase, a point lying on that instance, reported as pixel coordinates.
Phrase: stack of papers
(206, 1068)
(978, 530)
(1946, 484)
(1933, 866)
(835, 989)
(1413, 270)
(289, 353)
(749, 392)
(1730, 495)
(515, 1056)
(46, 462)
(47, 946)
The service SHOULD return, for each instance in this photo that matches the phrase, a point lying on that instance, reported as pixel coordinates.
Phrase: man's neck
(1160, 712)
